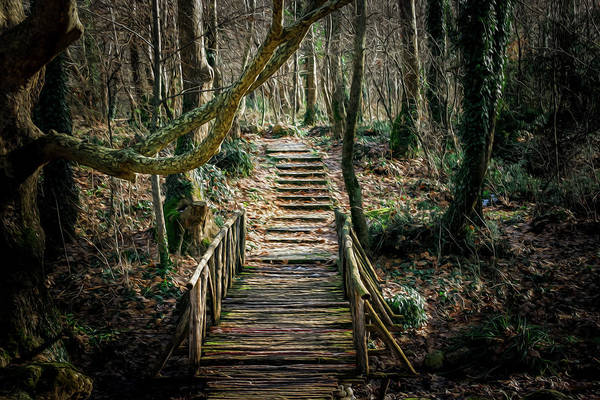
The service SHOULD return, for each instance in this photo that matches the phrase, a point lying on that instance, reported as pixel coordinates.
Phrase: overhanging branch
(277, 47)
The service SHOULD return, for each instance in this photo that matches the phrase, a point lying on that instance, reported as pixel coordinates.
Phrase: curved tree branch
(279, 44)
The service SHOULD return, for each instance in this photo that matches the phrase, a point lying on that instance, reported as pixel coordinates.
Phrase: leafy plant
(234, 158)
(509, 343)
(411, 305)
(512, 181)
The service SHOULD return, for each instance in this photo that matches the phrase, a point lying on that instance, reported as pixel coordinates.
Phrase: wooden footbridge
(292, 323)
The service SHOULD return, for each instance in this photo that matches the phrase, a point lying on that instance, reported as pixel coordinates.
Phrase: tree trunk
(436, 82)
(197, 76)
(59, 196)
(30, 322)
(337, 74)
(310, 77)
(406, 127)
(485, 29)
(359, 221)
(161, 234)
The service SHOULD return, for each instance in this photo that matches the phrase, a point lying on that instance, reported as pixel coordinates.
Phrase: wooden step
(297, 157)
(302, 174)
(298, 240)
(288, 149)
(302, 181)
(299, 258)
(300, 166)
(304, 217)
(289, 229)
(309, 197)
(301, 189)
(305, 206)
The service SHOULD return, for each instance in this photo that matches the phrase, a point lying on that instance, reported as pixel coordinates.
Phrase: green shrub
(396, 230)
(411, 305)
(579, 193)
(403, 137)
(512, 181)
(508, 343)
(234, 158)
(213, 183)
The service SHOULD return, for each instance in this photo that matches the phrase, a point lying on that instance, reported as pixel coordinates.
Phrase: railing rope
(361, 286)
(212, 278)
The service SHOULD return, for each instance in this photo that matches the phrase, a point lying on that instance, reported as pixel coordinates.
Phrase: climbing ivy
(485, 28)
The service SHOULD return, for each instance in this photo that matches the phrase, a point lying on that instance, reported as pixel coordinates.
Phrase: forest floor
(516, 314)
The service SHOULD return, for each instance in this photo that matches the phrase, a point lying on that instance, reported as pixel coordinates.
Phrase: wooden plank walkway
(286, 329)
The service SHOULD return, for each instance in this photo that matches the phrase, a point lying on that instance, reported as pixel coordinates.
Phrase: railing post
(242, 240)
(360, 335)
(196, 327)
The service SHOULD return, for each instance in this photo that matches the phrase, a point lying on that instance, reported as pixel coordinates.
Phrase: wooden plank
(302, 174)
(295, 182)
(300, 166)
(196, 326)
(305, 206)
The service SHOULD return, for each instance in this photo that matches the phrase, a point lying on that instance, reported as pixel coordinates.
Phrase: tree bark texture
(30, 323)
(407, 123)
(59, 196)
(338, 99)
(197, 76)
(485, 31)
(353, 189)
(310, 78)
(159, 217)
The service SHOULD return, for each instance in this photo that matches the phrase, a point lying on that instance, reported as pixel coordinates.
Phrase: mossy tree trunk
(436, 99)
(405, 129)
(310, 78)
(485, 28)
(59, 196)
(353, 189)
(159, 217)
(30, 323)
(338, 98)
(198, 74)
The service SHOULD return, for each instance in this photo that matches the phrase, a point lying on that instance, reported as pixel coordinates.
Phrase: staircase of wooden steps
(285, 329)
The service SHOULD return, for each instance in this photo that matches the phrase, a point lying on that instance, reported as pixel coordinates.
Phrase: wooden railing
(370, 311)
(212, 278)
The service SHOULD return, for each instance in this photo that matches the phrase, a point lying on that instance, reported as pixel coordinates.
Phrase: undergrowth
(234, 158)
(505, 343)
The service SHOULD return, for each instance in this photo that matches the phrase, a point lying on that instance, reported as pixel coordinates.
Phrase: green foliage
(213, 183)
(411, 305)
(403, 137)
(509, 343)
(485, 27)
(512, 181)
(396, 230)
(96, 336)
(579, 192)
(234, 158)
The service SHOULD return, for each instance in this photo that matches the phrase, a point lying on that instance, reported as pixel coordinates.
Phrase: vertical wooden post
(218, 282)
(231, 254)
(203, 297)
(360, 335)
(195, 340)
(213, 286)
(225, 262)
(243, 240)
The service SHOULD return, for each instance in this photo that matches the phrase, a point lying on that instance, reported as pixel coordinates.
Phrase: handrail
(361, 286)
(213, 275)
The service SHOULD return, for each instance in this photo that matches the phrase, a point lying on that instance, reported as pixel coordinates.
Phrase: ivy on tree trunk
(485, 28)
